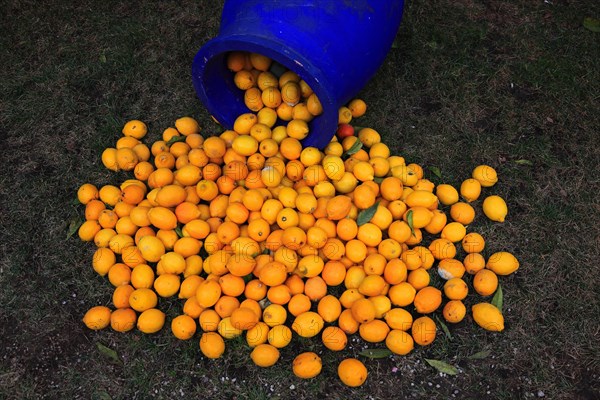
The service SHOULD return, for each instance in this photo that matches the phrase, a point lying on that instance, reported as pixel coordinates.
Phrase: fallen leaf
(108, 352)
(444, 327)
(442, 366)
(498, 298)
(592, 24)
(366, 215)
(74, 225)
(479, 355)
(436, 171)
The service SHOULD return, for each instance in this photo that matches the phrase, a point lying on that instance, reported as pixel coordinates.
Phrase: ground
(512, 84)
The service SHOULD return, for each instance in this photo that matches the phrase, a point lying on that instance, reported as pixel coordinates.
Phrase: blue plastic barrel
(334, 45)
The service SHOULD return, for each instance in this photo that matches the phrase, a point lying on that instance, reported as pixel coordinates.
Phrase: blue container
(334, 45)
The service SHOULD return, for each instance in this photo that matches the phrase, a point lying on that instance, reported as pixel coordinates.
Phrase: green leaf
(442, 366)
(444, 327)
(523, 162)
(395, 44)
(108, 352)
(103, 58)
(378, 179)
(436, 171)
(480, 355)
(179, 232)
(498, 298)
(75, 202)
(74, 225)
(409, 221)
(592, 24)
(366, 215)
(101, 395)
(376, 353)
(354, 149)
(176, 139)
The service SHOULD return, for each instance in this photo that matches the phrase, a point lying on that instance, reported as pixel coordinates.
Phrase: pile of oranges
(261, 237)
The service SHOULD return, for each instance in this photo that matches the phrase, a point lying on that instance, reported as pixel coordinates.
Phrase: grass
(510, 84)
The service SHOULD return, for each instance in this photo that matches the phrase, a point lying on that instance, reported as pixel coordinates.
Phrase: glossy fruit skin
(344, 130)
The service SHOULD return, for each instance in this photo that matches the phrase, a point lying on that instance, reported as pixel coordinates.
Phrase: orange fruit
(212, 345)
(334, 338)
(329, 308)
(427, 300)
(402, 294)
(423, 331)
(123, 320)
(399, 342)
(395, 271)
(473, 263)
(454, 311)
(449, 268)
(418, 278)
(374, 331)
(264, 355)
(399, 319)
(352, 372)
(97, 318)
(456, 289)
(307, 365)
(485, 282)
(183, 327)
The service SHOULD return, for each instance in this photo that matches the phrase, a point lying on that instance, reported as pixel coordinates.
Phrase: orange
(454, 311)
(293, 238)
(119, 274)
(123, 320)
(183, 327)
(308, 324)
(334, 338)
(463, 213)
(449, 268)
(298, 304)
(423, 331)
(399, 342)
(279, 336)
(418, 278)
(399, 319)
(456, 289)
(274, 314)
(212, 345)
(442, 249)
(329, 308)
(244, 318)
(427, 300)
(485, 282)
(209, 320)
(363, 310)
(97, 318)
(143, 299)
(307, 365)
(470, 189)
(473, 263)
(395, 271)
(315, 288)
(399, 231)
(374, 331)
(264, 355)
(473, 243)
(402, 294)
(372, 285)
